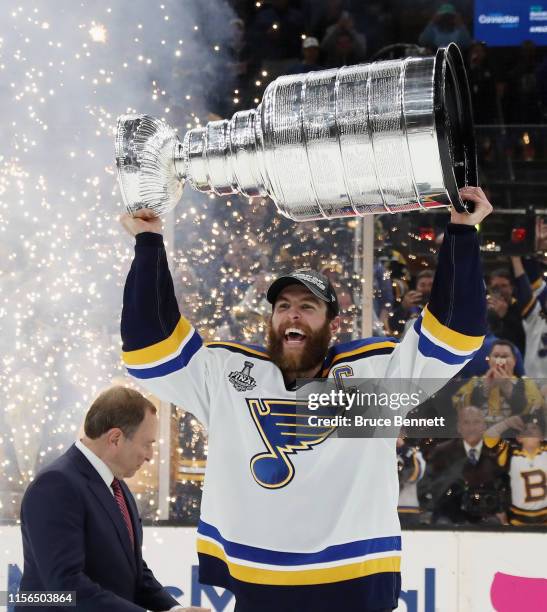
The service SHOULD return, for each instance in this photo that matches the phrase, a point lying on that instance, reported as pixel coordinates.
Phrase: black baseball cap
(317, 283)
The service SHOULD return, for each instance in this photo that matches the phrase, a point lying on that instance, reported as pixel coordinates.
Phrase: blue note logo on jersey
(284, 429)
(243, 381)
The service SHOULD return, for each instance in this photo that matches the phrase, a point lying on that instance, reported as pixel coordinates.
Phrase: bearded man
(292, 521)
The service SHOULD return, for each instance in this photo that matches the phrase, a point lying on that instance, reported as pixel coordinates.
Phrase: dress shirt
(104, 471)
(477, 448)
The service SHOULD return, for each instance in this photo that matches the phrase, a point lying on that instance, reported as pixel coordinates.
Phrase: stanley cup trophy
(390, 136)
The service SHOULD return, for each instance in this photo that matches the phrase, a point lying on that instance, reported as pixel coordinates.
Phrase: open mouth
(294, 336)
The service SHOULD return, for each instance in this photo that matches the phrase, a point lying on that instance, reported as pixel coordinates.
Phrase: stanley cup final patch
(243, 381)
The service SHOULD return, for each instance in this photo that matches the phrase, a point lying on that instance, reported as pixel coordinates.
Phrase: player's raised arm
(529, 285)
(161, 349)
(452, 326)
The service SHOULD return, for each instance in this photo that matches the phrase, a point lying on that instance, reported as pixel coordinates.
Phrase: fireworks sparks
(68, 70)
(97, 32)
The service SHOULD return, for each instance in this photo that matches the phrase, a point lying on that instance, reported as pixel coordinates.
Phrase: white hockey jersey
(528, 477)
(408, 490)
(531, 296)
(288, 523)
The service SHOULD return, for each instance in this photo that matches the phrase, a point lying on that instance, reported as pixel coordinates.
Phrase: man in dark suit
(80, 525)
(463, 482)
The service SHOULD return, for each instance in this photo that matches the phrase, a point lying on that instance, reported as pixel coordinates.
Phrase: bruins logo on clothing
(284, 429)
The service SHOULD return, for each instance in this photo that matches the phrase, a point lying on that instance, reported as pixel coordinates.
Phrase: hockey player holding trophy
(294, 522)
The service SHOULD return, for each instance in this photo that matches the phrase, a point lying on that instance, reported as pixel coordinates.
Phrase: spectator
(463, 482)
(482, 86)
(399, 274)
(342, 44)
(522, 100)
(382, 279)
(525, 460)
(412, 303)
(275, 36)
(531, 295)
(504, 316)
(445, 27)
(310, 57)
(378, 19)
(411, 468)
(543, 390)
(541, 77)
(500, 393)
(411, 15)
(240, 64)
(478, 366)
(323, 14)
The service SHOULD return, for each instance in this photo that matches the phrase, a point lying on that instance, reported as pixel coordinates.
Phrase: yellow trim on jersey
(491, 442)
(322, 575)
(516, 510)
(456, 340)
(155, 352)
(183, 477)
(358, 351)
(503, 451)
(192, 462)
(239, 346)
(503, 455)
(537, 283)
(416, 471)
(528, 306)
(520, 452)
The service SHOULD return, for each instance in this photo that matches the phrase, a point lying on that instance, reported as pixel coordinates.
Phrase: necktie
(122, 505)
(472, 454)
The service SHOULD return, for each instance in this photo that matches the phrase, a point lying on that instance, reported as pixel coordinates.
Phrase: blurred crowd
(275, 37)
(508, 85)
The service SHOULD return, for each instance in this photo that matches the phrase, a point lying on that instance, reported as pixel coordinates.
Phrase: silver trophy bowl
(390, 136)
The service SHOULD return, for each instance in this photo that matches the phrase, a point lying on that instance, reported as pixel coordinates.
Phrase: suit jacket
(75, 539)
(450, 474)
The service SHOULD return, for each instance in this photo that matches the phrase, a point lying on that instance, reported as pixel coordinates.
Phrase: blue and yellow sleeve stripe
(527, 309)
(167, 356)
(443, 343)
(452, 326)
